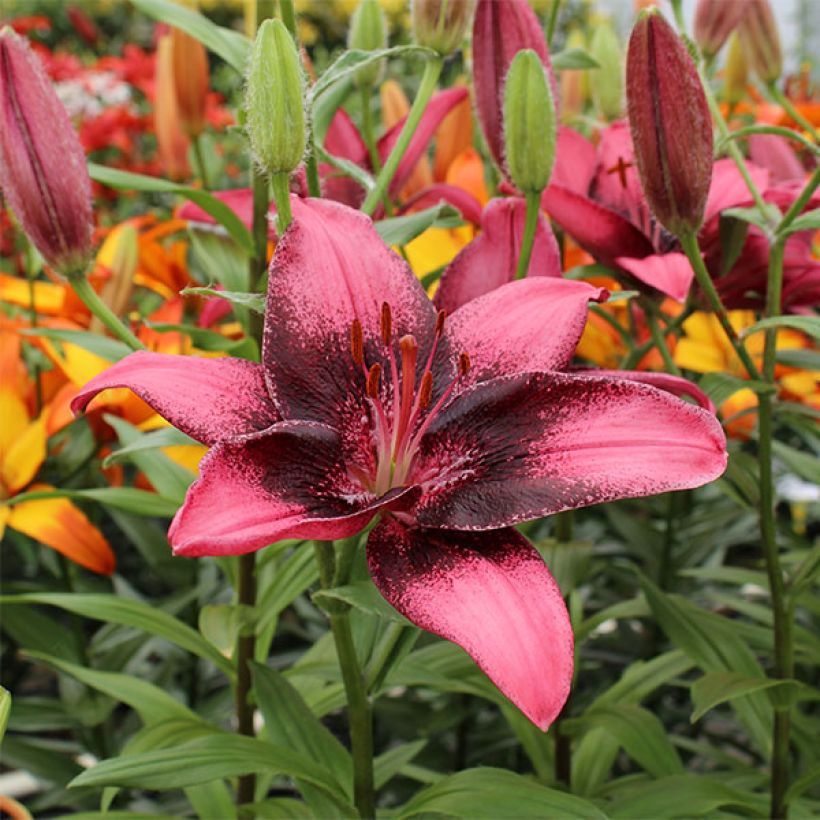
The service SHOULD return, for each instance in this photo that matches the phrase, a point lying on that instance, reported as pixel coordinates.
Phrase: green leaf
(778, 130)
(200, 761)
(128, 612)
(168, 478)
(5, 709)
(205, 339)
(361, 595)
(290, 723)
(715, 688)
(278, 808)
(805, 781)
(129, 499)
(720, 386)
(399, 230)
(805, 465)
(685, 795)
(150, 702)
(754, 216)
(809, 221)
(390, 763)
(640, 733)
(109, 349)
(152, 440)
(348, 169)
(494, 793)
(326, 107)
(573, 58)
(352, 60)
(125, 180)
(803, 358)
(221, 624)
(116, 815)
(233, 47)
(220, 259)
(253, 301)
(805, 324)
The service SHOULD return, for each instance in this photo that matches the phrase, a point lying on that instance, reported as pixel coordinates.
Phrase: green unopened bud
(529, 123)
(441, 24)
(274, 100)
(760, 40)
(736, 73)
(607, 82)
(368, 33)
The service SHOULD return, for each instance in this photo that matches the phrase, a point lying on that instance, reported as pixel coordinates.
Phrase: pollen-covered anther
(357, 342)
(386, 323)
(440, 317)
(373, 378)
(426, 390)
(463, 363)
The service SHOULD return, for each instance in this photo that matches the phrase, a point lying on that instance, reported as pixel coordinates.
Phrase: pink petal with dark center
(670, 273)
(491, 259)
(209, 399)
(525, 446)
(330, 268)
(598, 230)
(491, 594)
(675, 385)
(440, 105)
(290, 482)
(533, 324)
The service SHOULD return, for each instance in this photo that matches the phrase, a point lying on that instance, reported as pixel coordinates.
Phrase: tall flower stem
(788, 106)
(368, 132)
(201, 168)
(632, 358)
(689, 243)
(281, 195)
(246, 595)
(530, 224)
(358, 705)
(659, 340)
(432, 71)
(82, 287)
(553, 21)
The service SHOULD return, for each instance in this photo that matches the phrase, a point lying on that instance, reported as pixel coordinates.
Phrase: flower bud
(172, 143)
(529, 123)
(574, 82)
(670, 124)
(441, 24)
(118, 258)
(43, 172)
(500, 30)
(715, 20)
(367, 33)
(274, 100)
(736, 72)
(607, 82)
(760, 40)
(190, 70)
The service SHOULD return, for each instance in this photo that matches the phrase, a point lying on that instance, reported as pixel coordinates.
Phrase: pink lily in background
(452, 428)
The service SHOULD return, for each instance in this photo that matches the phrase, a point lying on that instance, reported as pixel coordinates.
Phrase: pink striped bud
(42, 166)
(670, 124)
(715, 20)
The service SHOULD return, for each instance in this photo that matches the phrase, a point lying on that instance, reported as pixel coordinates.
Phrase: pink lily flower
(452, 428)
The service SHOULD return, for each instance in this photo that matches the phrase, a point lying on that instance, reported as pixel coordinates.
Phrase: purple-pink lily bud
(715, 20)
(670, 124)
(761, 41)
(43, 173)
(501, 29)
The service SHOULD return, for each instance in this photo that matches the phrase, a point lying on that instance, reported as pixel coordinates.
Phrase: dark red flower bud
(670, 123)
(43, 172)
(715, 20)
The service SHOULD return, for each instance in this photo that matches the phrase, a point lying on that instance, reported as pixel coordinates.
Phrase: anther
(386, 323)
(463, 364)
(357, 342)
(440, 317)
(373, 377)
(408, 344)
(426, 390)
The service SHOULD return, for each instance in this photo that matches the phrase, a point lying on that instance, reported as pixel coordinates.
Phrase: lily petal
(776, 155)
(291, 481)
(728, 189)
(533, 324)
(676, 385)
(492, 595)
(575, 161)
(491, 259)
(670, 273)
(442, 192)
(239, 200)
(525, 446)
(24, 457)
(330, 268)
(209, 399)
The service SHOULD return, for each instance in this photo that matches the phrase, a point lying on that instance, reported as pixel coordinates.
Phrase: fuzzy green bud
(274, 100)
(736, 72)
(607, 82)
(368, 33)
(441, 24)
(529, 123)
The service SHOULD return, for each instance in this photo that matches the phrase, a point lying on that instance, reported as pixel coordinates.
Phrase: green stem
(246, 595)
(432, 71)
(796, 208)
(312, 169)
(32, 309)
(92, 301)
(689, 243)
(632, 359)
(784, 102)
(659, 340)
(281, 196)
(368, 134)
(200, 162)
(288, 12)
(358, 704)
(553, 21)
(530, 224)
